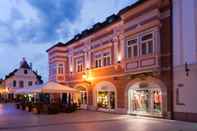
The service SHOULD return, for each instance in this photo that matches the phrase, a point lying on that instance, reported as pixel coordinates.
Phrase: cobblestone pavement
(12, 119)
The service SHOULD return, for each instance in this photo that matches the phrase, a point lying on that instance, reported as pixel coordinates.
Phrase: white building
(23, 76)
(185, 59)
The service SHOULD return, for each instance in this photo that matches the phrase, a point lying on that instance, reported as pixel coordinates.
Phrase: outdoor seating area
(49, 98)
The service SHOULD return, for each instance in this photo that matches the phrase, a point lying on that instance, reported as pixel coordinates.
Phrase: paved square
(12, 119)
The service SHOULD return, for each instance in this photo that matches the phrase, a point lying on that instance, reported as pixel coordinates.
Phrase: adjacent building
(22, 77)
(123, 64)
(185, 59)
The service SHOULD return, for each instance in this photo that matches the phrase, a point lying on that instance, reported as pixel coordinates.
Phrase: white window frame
(100, 56)
(60, 69)
(132, 47)
(106, 57)
(79, 65)
(147, 44)
(98, 59)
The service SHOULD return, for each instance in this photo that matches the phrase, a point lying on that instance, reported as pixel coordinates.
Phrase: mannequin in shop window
(157, 101)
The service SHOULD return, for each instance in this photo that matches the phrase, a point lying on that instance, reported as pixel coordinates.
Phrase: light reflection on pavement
(12, 119)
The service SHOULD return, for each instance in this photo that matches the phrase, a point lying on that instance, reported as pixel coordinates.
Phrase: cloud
(29, 27)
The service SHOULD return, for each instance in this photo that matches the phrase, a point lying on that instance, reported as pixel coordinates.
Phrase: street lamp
(86, 76)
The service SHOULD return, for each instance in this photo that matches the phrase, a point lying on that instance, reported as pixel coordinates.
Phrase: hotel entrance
(145, 99)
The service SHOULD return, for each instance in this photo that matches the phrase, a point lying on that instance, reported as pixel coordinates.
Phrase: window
(132, 48)
(79, 65)
(147, 44)
(25, 72)
(98, 60)
(60, 69)
(102, 59)
(30, 83)
(106, 59)
(21, 84)
(14, 83)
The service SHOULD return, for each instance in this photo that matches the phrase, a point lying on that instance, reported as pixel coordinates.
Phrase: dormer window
(25, 72)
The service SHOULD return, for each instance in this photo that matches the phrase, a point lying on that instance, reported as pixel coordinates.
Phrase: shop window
(106, 99)
(132, 48)
(147, 44)
(147, 101)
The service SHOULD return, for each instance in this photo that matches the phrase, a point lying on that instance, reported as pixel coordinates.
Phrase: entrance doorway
(83, 97)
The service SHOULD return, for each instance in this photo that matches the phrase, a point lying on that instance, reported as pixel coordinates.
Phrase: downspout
(171, 51)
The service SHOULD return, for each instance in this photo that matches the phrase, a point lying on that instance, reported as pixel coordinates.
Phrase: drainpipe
(171, 51)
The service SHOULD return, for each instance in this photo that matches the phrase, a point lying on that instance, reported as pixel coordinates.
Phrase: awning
(50, 87)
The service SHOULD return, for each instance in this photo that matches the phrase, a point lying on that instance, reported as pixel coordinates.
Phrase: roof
(11, 74)
(59, 44)
(38, 77)
(95, 28)
(126, 9)
(25, 65)
(98, 26)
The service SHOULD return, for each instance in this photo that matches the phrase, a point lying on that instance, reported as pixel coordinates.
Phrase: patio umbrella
(52, 87)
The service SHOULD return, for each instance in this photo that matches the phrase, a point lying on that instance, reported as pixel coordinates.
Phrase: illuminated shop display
(146, 101)
(106, 99)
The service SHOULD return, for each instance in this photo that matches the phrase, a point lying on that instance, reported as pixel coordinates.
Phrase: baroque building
(123, 64)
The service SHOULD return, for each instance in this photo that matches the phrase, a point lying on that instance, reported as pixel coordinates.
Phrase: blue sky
(29, 27)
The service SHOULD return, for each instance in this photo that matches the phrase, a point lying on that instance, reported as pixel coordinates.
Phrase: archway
(83, 96)
(147, 97)
(106, 95)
